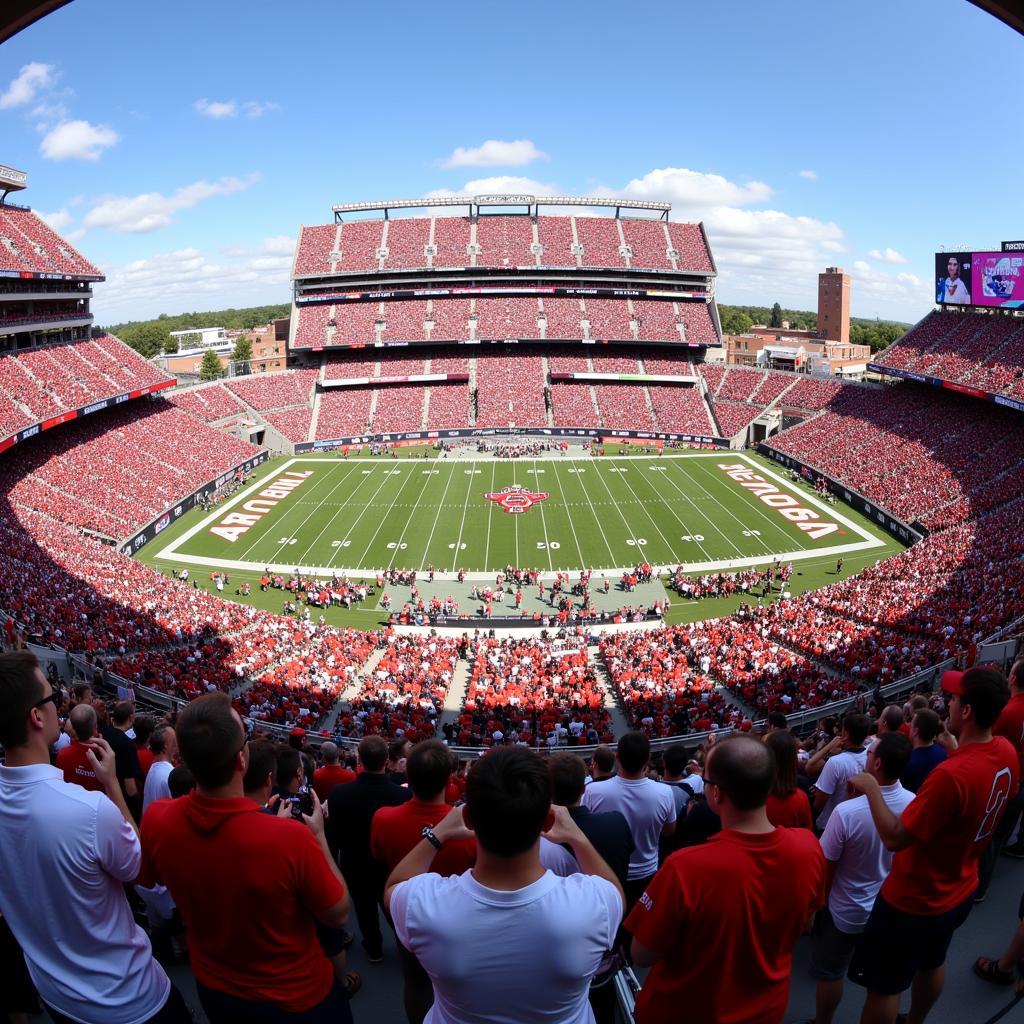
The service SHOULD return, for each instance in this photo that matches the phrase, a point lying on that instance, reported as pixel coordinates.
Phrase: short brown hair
(373, 753)
(209, 738)
(428, 769)
(19, 690)
(568, 778)
(927, 724)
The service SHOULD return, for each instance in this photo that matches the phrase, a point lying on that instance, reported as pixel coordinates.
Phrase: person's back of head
(144, 726)
(783, 745)
(986, 692)
(289, 769)
(508, 800)
(927, 725)
(1016, 678)
(918, 701)
(892, 752)
(568, 779)
(20, 688)
(428, 769)
(210, 738)
(373, 753)
(857, 728)
(777, 720)
(604, 759)
(262, 769)
(675, 760)
(81, 691)
(329, 752)
(83, 722)
(121, 716)
(180, 781)
(891, 718)
(397, 749)
(742, 769)
(634, 751)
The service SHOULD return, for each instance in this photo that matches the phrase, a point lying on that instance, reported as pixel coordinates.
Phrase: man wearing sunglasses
(65, 854)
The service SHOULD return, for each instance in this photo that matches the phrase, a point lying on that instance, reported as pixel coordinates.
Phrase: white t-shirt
(557, 859)
(156, 787)
(507, 957)
(647, 807)
(833, 777)
(64, 854)
(862, 861)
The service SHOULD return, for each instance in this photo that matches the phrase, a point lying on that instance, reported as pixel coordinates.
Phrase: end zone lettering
(785, 504)
(234, 524)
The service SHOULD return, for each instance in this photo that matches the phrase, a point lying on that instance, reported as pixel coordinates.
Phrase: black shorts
(896, 945)
(831, 949)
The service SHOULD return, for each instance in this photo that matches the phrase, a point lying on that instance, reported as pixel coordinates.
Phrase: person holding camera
(249, 886)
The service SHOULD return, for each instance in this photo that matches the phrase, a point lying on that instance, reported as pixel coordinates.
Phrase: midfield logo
(516, 499)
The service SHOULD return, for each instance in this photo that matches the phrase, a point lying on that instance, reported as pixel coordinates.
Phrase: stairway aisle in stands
(351, 691)
(456, 695)
(620, 724)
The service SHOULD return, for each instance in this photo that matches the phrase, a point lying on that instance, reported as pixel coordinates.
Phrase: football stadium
(504, 489)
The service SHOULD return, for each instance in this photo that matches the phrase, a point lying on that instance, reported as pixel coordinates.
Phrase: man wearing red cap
(937, 842)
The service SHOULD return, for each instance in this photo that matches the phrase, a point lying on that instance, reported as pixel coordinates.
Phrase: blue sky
(181, 146)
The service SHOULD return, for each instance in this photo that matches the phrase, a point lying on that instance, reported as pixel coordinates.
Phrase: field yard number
(471, 472)
(462, 547)
(366, 472)
(698, 537)
(401, 547)
(657, 469)
(751, 533)
(551, 545)
(617, 469)
(535, 471)
(639, 542)
(576, 470)
(287, 540)
(393, 472)
(340, 543)
(431, 472)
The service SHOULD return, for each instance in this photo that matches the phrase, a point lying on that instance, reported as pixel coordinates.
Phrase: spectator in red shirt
(712, 923)
(73, 760)
(332, 773)
(395, 831)
(143, 728)
(937, 843)
(264, 881)
(788, 805)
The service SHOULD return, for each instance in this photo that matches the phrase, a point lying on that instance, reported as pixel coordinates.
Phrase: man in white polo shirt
(649, 809)
(65, 853)
(860, 864)
(507, 940)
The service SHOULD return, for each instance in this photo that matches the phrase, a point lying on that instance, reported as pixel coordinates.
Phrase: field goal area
(707, 511)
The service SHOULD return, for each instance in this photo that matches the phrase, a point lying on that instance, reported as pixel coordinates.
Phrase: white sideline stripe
(170, 553)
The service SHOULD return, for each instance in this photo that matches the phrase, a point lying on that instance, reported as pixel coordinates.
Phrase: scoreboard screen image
(993, 279)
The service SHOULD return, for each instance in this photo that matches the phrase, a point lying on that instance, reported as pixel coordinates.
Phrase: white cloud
(888, 256)
(220, 109)
(277, 245)
(689, 190)
(169, 283)
(875, 292)
(216, 109)
(58, 220)
(494, 153)
(152, 210)
(31, 79)
(77, 140)
(809, 175)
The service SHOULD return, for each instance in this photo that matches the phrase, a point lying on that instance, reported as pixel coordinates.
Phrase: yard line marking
(516, 518)
(708, 519)
(586, 494)
(412, 515)
(490, 512)
(543, 521)
(572, 527)
(689, 530)
(654, 523)
(622, 515)
(330, 522)
(384, 517)
(437, 514)
(465, 505)
(359, 518)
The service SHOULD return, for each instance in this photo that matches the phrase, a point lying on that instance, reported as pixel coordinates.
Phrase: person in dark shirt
(924, 728)
(126, 758)
(351, 807)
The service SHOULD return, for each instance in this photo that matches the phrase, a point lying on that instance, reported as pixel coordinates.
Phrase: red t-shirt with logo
(953, 817)
(1010, 724)
(248, 886)
(394, 831)
(726, 916)
(326, 778)
(74, 763)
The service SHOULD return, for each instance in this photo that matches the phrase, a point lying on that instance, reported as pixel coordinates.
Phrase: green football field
(704, 510)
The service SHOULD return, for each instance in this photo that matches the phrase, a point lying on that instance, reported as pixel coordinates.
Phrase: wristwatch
(428, 834)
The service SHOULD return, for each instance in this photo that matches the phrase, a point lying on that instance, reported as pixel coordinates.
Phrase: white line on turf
(543, 522)
(458, 542)
(437, 514)
(597, 519)
(689, 479)
(568, 516)
(654, 523)
(689, 530)
(412, 515)
(385, 515)
(385, 477)
(490, 512)
(622, 515)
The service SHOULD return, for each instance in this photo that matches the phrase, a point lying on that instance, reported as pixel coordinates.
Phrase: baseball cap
(953, 682)
(298, 731)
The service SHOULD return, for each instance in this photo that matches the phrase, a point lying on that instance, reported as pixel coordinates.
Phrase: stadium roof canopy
(18, 14)
(1011, 12)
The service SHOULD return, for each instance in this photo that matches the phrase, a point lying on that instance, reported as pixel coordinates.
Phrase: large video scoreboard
(992, 279)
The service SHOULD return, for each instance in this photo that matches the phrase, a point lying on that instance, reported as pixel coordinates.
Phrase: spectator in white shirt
(507, 940)
(859, 863)
(164, 744)
(846, 760)
(65, 854)
(649, 808)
